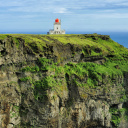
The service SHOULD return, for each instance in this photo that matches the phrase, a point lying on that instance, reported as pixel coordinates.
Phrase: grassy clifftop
(95, 44)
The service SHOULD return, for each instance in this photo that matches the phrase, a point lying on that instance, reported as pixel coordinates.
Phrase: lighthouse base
(56, 32)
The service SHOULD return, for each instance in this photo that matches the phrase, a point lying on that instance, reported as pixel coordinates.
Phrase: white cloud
(103, 16)
(60, 6)
(95, 9)
(61, 10)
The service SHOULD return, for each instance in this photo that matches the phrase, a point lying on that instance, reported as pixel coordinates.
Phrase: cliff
(63, 81)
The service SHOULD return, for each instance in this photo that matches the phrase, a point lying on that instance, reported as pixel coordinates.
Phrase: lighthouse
(57, 28)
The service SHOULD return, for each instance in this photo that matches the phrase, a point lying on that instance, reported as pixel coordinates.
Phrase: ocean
(120, 37)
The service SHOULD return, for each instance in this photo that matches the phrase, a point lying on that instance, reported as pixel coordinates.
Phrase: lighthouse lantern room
(57, 28)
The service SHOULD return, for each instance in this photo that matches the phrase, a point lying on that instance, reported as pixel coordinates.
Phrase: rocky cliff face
(57, 85)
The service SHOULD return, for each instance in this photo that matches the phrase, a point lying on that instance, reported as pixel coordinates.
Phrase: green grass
(106, 46)
(3, 36)
(96, 72)
(90, 45)
(82, 74)
(30, 69)
(86, 41)
(25, 79)
(117, 115)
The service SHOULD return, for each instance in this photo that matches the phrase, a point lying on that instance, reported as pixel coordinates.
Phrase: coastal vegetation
(97, 44)
(65, 70)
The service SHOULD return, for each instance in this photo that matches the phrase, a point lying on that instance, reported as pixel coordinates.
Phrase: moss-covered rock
(63, 81)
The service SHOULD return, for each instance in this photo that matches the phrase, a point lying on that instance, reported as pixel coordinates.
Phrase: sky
(75, 15)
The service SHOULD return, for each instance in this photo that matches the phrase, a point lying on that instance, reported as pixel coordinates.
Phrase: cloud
(103, 16)
(29, 9)
(61, 6)
(113, 15)
(61, 10)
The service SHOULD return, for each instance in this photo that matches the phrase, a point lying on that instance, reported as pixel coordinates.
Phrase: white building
(57, 28)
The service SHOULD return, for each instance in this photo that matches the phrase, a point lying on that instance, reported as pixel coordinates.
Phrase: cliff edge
(63, 81)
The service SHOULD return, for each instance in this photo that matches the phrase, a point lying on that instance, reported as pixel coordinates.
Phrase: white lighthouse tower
(57, 28)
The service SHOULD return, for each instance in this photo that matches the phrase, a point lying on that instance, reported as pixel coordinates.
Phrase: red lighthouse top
(57, 20)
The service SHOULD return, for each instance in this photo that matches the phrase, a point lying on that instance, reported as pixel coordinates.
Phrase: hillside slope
(63, 81)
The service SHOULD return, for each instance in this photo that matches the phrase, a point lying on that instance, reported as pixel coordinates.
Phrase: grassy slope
(112, 68)
(106, 46)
